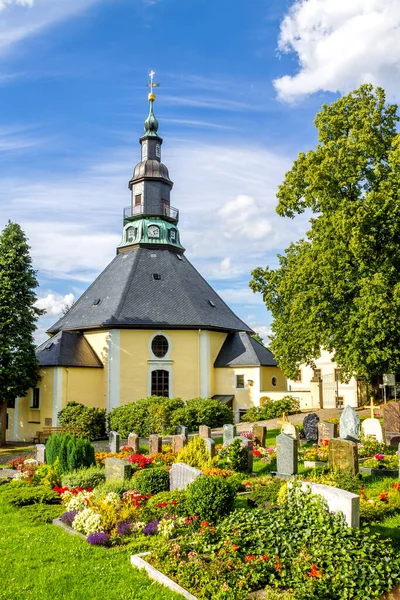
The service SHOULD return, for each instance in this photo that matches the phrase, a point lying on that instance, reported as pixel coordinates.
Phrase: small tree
(19, 369)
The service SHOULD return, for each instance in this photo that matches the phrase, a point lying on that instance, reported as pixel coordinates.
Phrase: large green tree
(19, 368)
(339, 288)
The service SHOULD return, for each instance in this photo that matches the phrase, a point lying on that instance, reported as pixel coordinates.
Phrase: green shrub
(175, 502)
(151, 481)
(233, 457)
(92, 421)
(236, 481)
(49, 475)
(42, 513)
(145, 416)
(202, 411)
(85, 478)
(119, 487)
(210, 498)
(195, 454)
(340, 479)
(22, 495)
(71, 452)
(272, 409)
(266, 492)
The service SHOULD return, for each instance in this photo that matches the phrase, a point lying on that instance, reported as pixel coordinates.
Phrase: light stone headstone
(133, 442)
(229, 434)
(373, 428)
(260, 435)
(343, 455)
(40, 453)
(155, 444)
(204, 431)
(210, 446)
(249, 445)
(117, 469)
(350, 424)
(286, 455)
(183, 430)
(338, 501)
(181, 475)
(310, 424)
(178, 443)
(327, 430)
(114, 441)
(290, 429)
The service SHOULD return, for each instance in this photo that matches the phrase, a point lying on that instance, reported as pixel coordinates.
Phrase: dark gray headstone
(204, 431)
(350, 424)
(181, 475)
(210, 445)
(133, 442)
(114, 441)
(391, 417)
(178, 443)
(229, 434)
(327, 430)
(310, 424)
(249, 445)
(286, 454)
(392, 439)
(117, 469)
(343, 455)
(40, 453)
(183, 430)
(155, 444)
(260, 435)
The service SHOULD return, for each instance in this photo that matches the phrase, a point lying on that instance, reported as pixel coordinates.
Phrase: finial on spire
(152, 84)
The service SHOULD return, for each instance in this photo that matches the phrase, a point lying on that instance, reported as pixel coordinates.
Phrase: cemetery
(296, 512)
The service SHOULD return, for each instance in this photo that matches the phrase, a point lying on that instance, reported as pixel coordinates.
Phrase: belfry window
(159, 346)
(138, 199)
(160, 383)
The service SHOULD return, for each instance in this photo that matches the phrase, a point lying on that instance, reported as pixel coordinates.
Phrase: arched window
(159, 346)
(160, 383)
(274, 381)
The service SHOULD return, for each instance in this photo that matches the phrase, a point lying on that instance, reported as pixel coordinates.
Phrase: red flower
(362, 493)
(235, 547)
(278, 565)
(174, 502)
(396, 487)
(256, 453)
(314, 572)
(204, 524)
(161, 505)
(265, 557)
(249, 558)
(384, 497)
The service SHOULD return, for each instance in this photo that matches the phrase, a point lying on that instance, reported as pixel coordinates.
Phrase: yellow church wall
(216, 341)
(225, 383)
(185, 368)
(99, 342)
(84, 385)
(267, 373)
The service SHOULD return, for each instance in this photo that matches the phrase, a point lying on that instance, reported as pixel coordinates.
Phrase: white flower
(30, 461)
(79, 502)
(112, 499)
(87, 521)
(166, 527)
(139, 526)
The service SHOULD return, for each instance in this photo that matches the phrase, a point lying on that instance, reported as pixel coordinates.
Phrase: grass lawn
(388, 529)
(42, 562)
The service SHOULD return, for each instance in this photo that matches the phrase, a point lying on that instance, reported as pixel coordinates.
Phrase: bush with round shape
(85, 478)
(145, 416)
(151, 481)
(202, 411)
(90, 420)
(195, 454)
(210, 498)
(272, 409)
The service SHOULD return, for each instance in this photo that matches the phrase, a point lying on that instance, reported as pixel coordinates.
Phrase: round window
(159, 346)
(274, 381)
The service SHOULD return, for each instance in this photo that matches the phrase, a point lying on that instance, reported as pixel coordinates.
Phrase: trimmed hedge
(272, 409)
(85, 478)
(152, 481)
(92, 421)
(210, 498)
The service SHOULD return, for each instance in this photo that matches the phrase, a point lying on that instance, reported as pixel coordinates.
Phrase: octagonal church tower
(149, 324)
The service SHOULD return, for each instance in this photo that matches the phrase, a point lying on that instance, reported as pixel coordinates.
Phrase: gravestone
(183, 430)
(249, 445)
(210, 446)
(204, 431)
(40, 453)
(286, 455)
(133, 442)
(229, 434)
(373, 428)
(350, 424)
(391, 419)
(260, 435)
(343, 455)
(155, 444)
(181, 475)
(178, 442)
(117, 469)
(398, 454)
(290, 429)
(338, 501)
(114, 441)
(392, 439)
(327, 431)
(310, 424)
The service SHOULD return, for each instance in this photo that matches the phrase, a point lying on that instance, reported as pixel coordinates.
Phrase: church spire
(150, 219)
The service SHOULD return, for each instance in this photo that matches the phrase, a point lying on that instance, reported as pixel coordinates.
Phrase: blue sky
(240, 85)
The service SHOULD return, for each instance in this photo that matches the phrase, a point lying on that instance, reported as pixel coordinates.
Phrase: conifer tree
(19, 369)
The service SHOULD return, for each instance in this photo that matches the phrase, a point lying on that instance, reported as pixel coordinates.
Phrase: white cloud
(54, 304)
(7, 3)
(340, 45)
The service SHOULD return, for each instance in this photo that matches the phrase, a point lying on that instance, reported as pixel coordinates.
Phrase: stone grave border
(156, 575)
(380, 472)
(68, 529)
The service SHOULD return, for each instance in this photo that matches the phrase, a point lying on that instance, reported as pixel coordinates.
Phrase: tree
(19, 369)
(339, 288)
(256, 336)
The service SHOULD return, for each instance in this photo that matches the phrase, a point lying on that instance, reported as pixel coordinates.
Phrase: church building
(149, 324)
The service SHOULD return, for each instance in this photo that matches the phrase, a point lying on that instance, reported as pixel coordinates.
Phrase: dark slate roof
(241, 350)
(126, 294)
(67, 349)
